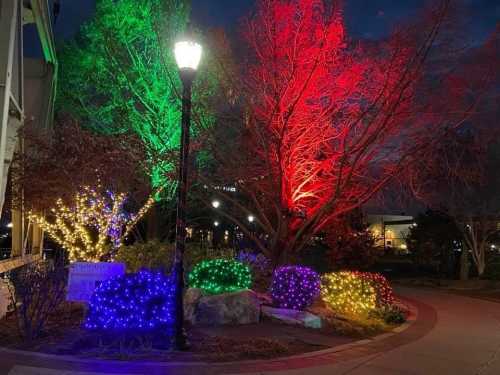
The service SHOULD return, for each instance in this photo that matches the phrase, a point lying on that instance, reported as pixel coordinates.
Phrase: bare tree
(326, 122)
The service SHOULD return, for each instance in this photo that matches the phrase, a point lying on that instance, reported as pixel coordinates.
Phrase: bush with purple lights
(294, 287)
(256, 262)
(220, 276)
(139, 302)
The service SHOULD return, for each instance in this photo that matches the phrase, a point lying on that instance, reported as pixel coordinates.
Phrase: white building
(390, 231)
(27, 92)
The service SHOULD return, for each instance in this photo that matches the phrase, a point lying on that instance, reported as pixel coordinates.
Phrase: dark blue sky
(364, 18)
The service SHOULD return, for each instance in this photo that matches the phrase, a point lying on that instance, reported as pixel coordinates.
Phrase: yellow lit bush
(348, 293)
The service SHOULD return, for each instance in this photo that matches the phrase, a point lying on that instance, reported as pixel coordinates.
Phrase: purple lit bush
(294, 287)
(137, 302)
(257, 262)
(260, 266)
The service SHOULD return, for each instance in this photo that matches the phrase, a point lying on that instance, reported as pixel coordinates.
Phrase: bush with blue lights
(139, 302)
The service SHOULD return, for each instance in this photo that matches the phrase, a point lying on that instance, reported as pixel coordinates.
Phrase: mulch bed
(269, 339)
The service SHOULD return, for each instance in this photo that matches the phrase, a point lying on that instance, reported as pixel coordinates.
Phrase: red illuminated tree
(329, 121)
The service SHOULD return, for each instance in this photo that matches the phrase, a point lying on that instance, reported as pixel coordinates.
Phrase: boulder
(242, 307)
(289, 316)
(264, 298)
(191, 299)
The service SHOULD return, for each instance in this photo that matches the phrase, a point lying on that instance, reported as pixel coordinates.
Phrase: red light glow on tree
(327, 121)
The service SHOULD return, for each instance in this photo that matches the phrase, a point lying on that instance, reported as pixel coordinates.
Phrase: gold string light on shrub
(348, 293)
(383, 291)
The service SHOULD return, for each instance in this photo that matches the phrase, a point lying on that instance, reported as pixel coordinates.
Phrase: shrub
(220, 276)
(390, 314)
(348, 293)
(492, 271)
(294, 287)
(257, 262)
(352, 249)
(138, 302)
(39, 289)
(150, 255)
(260, 266)
(384, 294)
(156, 255)
(351, 245)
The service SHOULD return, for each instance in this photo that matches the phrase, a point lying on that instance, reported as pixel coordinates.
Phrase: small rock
(289, 316)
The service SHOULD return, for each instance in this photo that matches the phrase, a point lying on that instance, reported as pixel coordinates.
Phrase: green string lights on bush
(218, 276)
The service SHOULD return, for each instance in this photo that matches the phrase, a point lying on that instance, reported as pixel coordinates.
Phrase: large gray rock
(241, 307)
(191, 299)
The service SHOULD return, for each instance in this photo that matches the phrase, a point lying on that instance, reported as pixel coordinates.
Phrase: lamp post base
(181, 341)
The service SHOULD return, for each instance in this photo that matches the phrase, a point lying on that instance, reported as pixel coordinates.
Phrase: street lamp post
(187, 55)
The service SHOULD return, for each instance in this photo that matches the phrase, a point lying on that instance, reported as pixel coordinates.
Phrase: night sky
(364, 18)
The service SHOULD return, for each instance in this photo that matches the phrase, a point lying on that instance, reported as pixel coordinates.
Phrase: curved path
(451, 335)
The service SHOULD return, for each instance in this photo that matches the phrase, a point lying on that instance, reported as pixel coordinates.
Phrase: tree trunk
(464, 264)
(481, 264)
(280, 253)
(152, 223)
(445, 266)
(478, 255)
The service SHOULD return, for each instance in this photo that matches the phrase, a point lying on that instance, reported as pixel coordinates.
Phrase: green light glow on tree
(119, 75)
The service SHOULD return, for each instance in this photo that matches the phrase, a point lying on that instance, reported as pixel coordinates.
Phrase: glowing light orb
(187, 54)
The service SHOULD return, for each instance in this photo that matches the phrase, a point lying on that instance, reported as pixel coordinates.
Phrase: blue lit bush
(220, 276)
(138, 302)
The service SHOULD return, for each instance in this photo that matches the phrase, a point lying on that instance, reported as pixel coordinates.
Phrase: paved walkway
(452, 335)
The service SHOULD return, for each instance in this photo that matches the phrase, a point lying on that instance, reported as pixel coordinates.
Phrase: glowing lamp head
(187, 53)
(251, 218)
(215, 204)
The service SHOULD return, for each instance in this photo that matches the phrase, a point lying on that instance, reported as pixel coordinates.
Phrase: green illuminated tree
(119, 76)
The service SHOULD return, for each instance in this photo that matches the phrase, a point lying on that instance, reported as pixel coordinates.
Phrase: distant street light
(215, 204)
(251, 218)
(187, 55)
(216, 223)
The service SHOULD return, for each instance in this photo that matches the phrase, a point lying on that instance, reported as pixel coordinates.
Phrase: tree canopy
(328, 121)
(119, 76)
